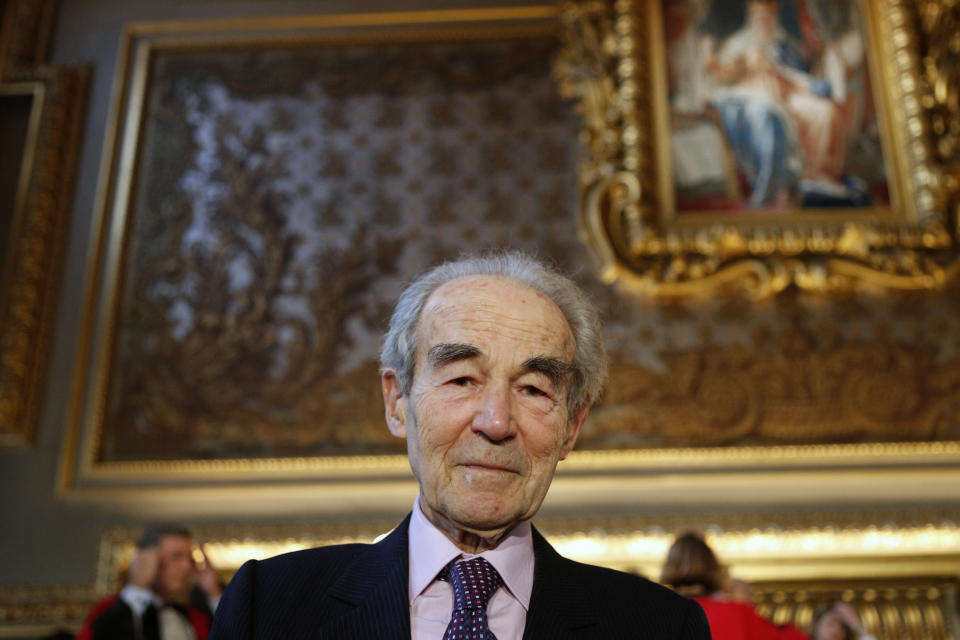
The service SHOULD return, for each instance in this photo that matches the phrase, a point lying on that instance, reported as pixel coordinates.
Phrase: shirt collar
(138, 598)
(430, 551)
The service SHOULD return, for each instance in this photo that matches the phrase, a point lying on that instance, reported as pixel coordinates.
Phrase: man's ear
(394, 403)
(574, 430)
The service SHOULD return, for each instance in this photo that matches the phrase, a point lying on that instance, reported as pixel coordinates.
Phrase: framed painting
(771, 108)
(771, 143)
(268, 188)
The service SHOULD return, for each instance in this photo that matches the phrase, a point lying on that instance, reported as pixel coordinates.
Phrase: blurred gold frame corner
(30, 268)
(613, 63)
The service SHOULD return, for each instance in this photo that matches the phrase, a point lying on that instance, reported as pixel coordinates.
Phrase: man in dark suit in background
(489, 369)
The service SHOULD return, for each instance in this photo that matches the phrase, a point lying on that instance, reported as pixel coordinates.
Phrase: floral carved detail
(801, 389)
(940, 50)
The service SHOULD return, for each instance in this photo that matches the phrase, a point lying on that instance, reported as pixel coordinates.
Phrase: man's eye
(530, 390)
(462, 381)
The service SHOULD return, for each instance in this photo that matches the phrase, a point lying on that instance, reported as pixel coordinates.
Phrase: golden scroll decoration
(614, 64)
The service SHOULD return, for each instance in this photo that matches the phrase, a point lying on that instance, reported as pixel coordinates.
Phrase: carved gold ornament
(614, 63)
(31, 246)
(802, 389)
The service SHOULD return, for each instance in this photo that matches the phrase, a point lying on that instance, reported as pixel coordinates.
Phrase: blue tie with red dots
(473, 582)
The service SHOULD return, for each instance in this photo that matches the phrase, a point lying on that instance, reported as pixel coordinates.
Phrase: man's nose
(494, 416)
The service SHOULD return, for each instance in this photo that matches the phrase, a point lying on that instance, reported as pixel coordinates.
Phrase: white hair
(589, 367)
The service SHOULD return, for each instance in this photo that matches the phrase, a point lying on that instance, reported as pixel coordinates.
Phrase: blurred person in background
(167, 597)
(837, 621)
(693, 570)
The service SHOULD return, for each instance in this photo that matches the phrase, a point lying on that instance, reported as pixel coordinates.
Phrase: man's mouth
(487, 466)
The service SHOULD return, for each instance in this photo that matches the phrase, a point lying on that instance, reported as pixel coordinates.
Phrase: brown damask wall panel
(286, 197)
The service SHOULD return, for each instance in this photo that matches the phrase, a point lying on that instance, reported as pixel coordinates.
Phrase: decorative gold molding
(889, 609)
(871, 454)
(41, 610)
(39, 224)
(25, 35)
(234, 28)
(791, 387)
(939, 22)
(614, 64)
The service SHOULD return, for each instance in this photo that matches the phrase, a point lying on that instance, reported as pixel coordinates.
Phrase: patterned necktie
(473, 582)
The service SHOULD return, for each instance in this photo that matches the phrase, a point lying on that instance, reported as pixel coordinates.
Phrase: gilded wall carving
(939, 23)
(917, 609)
(30, 264)
(792, 387)
(763, 221)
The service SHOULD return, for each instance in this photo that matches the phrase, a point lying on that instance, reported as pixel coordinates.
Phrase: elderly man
(167, 598)
(489, 368)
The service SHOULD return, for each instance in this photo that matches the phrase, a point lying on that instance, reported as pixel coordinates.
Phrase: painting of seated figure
(771, 107)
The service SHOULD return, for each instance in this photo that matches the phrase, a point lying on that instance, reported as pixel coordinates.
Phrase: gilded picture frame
(52, 103)
(619, 62)
(132, 134)
(376, 483)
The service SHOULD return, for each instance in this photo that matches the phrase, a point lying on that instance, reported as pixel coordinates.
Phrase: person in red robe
(693, 570)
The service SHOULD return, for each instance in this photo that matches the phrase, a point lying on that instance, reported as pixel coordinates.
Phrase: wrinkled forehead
(494, 305)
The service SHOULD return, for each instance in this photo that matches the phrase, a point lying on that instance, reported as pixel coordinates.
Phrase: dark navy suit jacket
(360, 591)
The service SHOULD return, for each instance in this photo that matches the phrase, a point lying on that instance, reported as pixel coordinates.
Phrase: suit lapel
(558, 608)
(370, 599)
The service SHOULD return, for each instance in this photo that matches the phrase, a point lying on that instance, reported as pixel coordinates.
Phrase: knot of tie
(473, 582)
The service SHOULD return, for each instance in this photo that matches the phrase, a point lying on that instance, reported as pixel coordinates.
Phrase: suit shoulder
(620, 603)
(285, 579)
(310, 560)
(628, 585)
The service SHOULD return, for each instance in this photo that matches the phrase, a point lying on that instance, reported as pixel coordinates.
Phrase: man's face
(176, 568)
(486, 419)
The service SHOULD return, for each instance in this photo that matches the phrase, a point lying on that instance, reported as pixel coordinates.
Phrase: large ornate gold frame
(40, 217)
(614, 64)
(141, 42)
(616, 480)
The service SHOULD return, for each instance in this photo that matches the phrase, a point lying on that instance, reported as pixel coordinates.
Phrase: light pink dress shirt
(431, 601)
